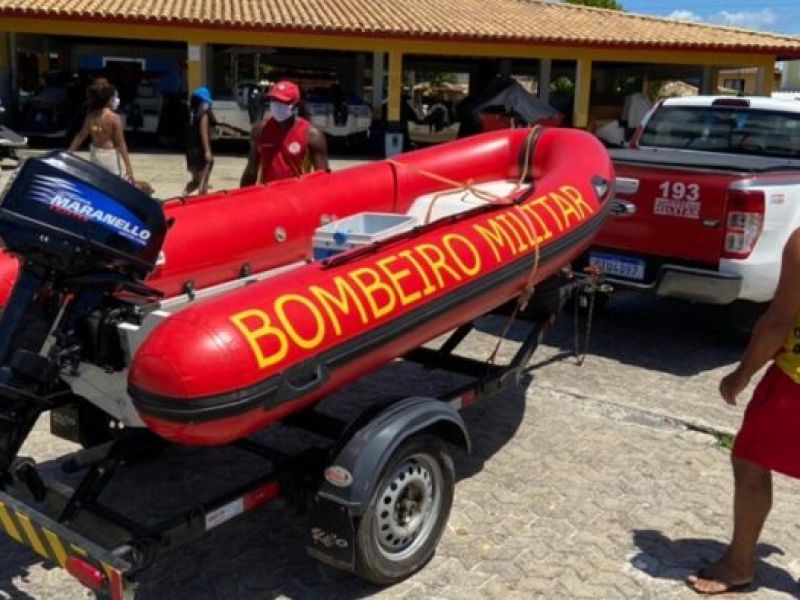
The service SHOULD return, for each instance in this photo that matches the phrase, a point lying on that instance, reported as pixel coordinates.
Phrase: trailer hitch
(585, 300)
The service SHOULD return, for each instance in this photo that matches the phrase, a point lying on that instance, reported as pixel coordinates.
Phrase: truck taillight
(745, 222)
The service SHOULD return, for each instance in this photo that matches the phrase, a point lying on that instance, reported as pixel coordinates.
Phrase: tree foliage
(612, 4)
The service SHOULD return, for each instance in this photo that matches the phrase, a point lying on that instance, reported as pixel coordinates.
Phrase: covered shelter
(594, 51)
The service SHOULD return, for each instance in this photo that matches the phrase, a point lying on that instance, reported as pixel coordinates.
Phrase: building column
(764, 79)
(377, 84)
(208, 66)
(358, 80)
(583, 89)
(790, 80)
(5, 69)
(14, 68)
(545, 77)
(195, 65)
(709, 81)
(394, 129)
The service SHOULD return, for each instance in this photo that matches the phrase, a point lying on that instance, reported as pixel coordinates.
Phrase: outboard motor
(86, 240)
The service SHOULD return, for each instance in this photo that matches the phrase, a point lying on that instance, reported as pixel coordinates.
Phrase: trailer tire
(407, 513)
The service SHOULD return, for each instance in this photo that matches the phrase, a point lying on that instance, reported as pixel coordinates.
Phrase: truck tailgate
(666, 211)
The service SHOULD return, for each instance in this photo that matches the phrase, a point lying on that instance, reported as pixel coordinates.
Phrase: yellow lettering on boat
(371, 285)
(396, 277)
(525, 226)
(448, 241)
(259, 333)
(291, 330)
(533, 214)
(429, 287)
(566, 207)
(578, 200)
(437, 261)
(497, 237)
(521, 245)
(340, 301)
(542, 201)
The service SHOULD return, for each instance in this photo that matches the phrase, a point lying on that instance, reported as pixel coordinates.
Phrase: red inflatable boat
(233, 364)
(488, 211)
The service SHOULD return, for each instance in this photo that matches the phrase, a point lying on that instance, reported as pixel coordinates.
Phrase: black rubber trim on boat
(274, 391)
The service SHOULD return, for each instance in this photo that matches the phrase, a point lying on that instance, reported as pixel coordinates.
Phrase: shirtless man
(769, 439)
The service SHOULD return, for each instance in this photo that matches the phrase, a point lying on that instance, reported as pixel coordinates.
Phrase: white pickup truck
(706, 197)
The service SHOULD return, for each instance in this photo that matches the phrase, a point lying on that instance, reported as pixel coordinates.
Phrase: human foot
(720, 578)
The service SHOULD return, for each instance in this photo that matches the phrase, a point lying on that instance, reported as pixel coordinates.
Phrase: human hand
(732, 385)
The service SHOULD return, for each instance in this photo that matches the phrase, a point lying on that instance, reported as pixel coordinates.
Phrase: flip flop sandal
(728, 589)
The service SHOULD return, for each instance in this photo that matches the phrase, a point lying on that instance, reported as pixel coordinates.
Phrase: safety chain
(592, 288)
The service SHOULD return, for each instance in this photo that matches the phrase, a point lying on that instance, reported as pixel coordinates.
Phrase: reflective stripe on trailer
(43, 539)
(242, 504)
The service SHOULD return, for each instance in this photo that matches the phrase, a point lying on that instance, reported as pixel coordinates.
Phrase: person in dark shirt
(199, 159)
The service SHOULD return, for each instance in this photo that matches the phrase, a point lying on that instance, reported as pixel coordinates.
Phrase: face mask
(280, 111)
(115, 103)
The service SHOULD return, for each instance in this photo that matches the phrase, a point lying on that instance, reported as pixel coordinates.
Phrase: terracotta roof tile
(534, 21)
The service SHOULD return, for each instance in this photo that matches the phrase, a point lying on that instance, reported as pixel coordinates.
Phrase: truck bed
(693, 159)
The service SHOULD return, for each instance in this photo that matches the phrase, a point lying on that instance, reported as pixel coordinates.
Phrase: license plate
(620, 266)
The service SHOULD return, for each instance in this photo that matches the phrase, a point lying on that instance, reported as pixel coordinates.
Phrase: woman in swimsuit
(104, 127)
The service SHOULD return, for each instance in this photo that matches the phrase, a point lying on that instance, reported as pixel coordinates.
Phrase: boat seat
(453, 202)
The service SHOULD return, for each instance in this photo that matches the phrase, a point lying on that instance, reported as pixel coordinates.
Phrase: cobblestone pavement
(588, 482)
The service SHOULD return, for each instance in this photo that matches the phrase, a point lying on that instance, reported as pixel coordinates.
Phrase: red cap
(285, 91)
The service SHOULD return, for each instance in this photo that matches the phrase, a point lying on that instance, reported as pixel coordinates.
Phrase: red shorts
(770, 432)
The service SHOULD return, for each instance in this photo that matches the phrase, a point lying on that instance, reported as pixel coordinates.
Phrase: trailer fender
(349, 481)
(353, 473)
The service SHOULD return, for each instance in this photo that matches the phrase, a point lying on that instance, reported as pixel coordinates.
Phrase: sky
(782, 16)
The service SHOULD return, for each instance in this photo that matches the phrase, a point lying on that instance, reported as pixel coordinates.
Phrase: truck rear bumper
(688, 283)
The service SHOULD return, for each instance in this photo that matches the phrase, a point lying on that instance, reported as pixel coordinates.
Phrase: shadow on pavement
(263, 555)
(16, 563)
(679, 338)
(663, 558)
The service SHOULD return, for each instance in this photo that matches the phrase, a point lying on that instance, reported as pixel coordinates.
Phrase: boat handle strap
(304, 379)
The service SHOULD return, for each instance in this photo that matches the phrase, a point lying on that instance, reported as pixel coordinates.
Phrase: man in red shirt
(283, 144)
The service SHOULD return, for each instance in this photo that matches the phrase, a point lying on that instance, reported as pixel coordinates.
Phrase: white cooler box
(358, 230)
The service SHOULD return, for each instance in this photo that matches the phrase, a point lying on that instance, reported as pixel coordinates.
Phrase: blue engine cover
(77, 215)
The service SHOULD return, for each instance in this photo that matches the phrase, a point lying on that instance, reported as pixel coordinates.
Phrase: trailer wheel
(407, 512)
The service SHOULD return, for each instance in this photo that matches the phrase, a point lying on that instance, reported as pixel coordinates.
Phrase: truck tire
(407, 513)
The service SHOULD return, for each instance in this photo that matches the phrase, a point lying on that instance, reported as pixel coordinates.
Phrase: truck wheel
(407, 513)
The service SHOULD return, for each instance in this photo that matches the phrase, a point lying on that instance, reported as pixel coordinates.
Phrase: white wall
(790, 80)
